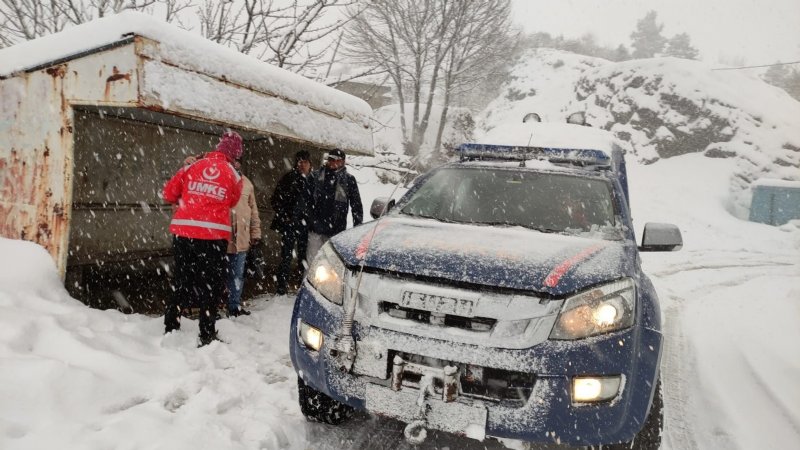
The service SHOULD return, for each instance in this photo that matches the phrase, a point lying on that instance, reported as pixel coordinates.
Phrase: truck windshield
(538, 200)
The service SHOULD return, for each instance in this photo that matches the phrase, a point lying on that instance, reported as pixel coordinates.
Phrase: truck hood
(513, 257)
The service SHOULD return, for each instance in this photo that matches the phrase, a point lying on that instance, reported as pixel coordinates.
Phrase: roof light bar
(580, 157)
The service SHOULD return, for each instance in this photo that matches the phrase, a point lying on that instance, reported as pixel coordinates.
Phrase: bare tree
(427, 47)
(293, 34)
(290, 34)
(22, 20)
(481, 51)
(409, 40)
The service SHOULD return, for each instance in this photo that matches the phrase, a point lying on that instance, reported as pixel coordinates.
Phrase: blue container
(775, 202)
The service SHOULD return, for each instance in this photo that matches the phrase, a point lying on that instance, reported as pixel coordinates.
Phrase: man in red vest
(204, 193)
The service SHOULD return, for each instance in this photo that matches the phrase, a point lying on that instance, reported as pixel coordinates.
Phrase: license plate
(437, 303)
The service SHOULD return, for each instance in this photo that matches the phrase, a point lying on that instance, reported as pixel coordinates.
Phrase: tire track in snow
(696, 280)
(676, 366)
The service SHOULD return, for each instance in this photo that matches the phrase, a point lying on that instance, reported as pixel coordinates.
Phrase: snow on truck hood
(515, 258)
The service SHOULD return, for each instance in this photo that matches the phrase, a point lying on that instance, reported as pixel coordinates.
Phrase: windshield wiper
(424, 216)
(508, 224)
(542, 229)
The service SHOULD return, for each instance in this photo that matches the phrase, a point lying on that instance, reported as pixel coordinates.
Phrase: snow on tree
(777, 74)
(792, 85)
(647, 38)
(621, 53)
(293, 34)
(680, 46)
(782, 76)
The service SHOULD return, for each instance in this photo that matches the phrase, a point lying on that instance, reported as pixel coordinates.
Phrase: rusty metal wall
(36, 136)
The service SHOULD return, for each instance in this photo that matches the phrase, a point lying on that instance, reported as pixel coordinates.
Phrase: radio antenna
(530, 138)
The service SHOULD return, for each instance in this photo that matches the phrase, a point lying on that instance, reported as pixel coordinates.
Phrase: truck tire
(649, 438)
(318, 407)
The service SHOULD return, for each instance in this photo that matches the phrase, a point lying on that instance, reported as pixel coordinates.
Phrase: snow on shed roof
(188, 50)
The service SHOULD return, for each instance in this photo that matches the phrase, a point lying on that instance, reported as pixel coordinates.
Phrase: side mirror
(577, 118)
(661, 237)
(531, 117)
(380, 206)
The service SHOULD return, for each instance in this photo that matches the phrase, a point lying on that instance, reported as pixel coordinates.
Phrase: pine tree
(621, 53)
(792, 85)
(647, 38)
(782, 76)
(777, 75)
(680, 46)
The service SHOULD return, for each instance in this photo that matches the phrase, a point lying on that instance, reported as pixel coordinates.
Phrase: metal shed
(95, 119)
(775, 202)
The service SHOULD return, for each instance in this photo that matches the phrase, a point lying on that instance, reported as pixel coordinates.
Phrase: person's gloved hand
(255, 242)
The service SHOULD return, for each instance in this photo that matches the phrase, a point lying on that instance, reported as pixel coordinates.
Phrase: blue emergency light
(579, 157)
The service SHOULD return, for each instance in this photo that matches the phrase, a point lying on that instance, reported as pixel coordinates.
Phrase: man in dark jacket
(291, 202)
(335, 191)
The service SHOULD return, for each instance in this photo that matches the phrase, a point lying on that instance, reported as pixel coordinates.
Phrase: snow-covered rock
(664, 107)
(542, 82)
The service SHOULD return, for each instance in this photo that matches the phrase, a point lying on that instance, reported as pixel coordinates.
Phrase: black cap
(336, 153)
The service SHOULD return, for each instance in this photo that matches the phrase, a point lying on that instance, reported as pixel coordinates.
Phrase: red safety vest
(204, 193)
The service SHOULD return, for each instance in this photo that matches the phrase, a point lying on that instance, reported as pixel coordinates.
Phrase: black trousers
(200, 271)
(291, 237)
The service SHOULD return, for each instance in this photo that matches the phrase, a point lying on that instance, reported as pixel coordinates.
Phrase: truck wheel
(318, 407)
(649, 438)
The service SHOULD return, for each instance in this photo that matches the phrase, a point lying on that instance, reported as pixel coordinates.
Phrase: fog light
(310, 336)
(595, 389)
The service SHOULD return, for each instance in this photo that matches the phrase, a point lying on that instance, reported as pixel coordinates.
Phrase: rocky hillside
(664, 107)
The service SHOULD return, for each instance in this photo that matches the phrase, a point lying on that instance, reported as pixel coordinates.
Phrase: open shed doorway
(119, 252)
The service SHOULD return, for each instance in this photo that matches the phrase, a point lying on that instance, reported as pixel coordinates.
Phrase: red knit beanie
(230, 145)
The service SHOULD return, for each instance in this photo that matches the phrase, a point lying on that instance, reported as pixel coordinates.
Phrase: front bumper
(549, 415)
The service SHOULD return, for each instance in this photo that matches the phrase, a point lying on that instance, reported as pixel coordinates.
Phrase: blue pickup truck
(501, 296)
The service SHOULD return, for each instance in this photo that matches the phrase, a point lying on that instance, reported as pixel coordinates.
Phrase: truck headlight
(326, 274)
(599, 310)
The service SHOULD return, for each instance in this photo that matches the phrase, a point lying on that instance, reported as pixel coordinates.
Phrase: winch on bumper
(519, 393)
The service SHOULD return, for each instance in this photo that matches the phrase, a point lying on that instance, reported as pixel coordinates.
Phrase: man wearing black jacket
(292, 202)
(335, 191)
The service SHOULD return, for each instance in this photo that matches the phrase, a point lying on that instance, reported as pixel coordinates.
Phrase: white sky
(759, 31)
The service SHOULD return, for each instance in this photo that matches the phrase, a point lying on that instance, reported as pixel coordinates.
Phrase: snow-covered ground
(74, 377)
